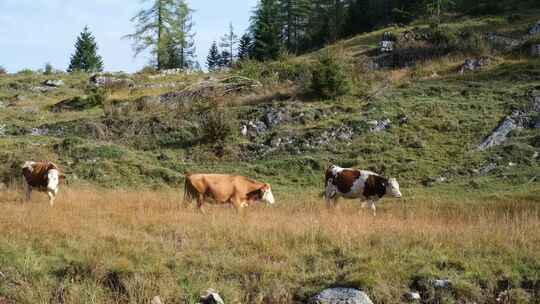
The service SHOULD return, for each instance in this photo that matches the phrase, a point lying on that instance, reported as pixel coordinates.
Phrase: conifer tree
(225, 59)
(245, 47)
(213, 59)
(266, 30)
(86, 58)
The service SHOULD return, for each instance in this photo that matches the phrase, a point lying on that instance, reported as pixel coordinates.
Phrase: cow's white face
(392, 189)
(267, 196)
(53, 177)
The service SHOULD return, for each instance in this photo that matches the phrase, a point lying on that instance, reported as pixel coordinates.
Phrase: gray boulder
(412, 296)
(274, 117)
(340, 295)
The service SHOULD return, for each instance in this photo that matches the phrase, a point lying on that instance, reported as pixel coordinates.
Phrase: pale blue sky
(33, 32)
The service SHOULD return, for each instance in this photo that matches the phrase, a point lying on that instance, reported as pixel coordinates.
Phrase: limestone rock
(341, 295)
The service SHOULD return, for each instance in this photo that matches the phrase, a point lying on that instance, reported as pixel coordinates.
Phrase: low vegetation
(128, 246)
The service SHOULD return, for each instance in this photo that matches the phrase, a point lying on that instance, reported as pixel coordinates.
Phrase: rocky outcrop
(535, 29)
(110, 81)
(519, 119)
(55, 83)
(341, 295)
(498, 136)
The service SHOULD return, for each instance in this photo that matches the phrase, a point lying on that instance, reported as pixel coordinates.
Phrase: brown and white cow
(237, 190)
(42, 176)
(352, 183)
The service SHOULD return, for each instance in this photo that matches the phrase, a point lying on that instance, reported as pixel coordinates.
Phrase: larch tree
(165, 28)
(86, 58)
(229, 42)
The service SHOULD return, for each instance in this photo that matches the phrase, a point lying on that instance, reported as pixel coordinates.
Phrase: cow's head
(267, 195)
(392, 188)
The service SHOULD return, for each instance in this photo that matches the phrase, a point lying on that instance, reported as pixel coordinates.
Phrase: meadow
(114, 246)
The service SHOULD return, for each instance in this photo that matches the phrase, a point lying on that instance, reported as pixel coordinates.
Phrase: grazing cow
(353, 183)
(237, 190)
(42, 176)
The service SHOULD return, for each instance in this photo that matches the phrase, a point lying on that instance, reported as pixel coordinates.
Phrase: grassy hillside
(117, 235)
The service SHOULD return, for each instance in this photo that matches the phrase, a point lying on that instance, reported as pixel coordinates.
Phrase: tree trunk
(160, 36)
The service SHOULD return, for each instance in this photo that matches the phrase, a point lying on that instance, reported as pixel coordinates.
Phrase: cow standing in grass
(42, 176)
(237, 190)
(352, 184)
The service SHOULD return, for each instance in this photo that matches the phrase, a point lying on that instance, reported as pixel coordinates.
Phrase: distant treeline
(298, 26)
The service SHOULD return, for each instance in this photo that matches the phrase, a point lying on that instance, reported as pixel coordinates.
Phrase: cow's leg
(330, 196)
(200, 203)
(52, 195)
(27, 190)
(239, 204)
(373, 208)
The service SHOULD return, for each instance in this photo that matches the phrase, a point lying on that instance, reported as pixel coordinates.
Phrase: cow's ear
(265, 187)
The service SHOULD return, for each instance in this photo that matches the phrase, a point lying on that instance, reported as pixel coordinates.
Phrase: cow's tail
(190, 192)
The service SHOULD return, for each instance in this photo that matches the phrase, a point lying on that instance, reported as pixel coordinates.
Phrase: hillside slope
(141, 134)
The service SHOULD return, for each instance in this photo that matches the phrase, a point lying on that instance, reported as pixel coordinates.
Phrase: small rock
(474, 64)
(535, 29)
(210, 296)
(3, 130)
(380, 125)
(243, 130)
(39, 132)
(403, 119)
(156, 300)
(41, 89)
(535, 50)
(54, 83)
(340, 295)
(487, 168)
(442, 283)
(412, 296)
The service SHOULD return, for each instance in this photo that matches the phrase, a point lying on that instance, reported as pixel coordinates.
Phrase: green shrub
(217, 125)
(25, 72)
(328, 78)
(3, 71)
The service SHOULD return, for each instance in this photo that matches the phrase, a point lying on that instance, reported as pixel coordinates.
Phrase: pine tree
(229, 42)
(266, 31)
(245, 47)
(213, 58)
(225, 59)
(86, 58)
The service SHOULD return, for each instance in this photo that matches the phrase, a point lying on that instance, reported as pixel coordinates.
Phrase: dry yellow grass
(104, 246)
